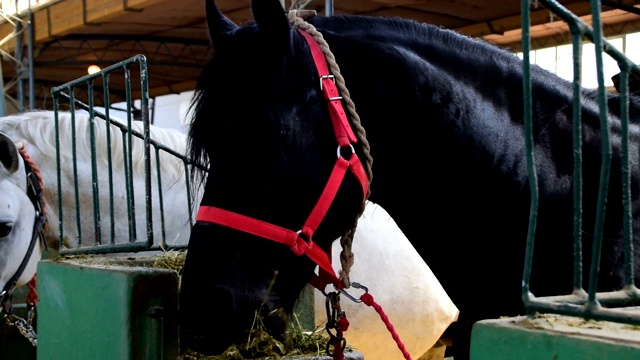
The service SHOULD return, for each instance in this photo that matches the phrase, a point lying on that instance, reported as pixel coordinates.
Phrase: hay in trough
(259, 344)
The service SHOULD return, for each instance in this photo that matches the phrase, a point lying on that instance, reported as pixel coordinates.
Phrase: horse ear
(219, 25)
(8, 154)
(272, 21)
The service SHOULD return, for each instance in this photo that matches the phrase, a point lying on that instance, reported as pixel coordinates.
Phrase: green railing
(587, 304)
(65, 94)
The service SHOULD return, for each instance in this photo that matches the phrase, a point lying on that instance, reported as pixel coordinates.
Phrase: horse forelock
(39, 130)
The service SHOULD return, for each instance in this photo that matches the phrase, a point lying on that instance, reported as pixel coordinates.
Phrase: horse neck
(396, 81)
(467, 94)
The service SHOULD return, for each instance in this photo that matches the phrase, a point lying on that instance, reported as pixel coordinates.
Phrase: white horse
(398, 279)
(38, 130)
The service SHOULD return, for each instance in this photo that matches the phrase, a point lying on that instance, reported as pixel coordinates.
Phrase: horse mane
(405, 31)
(39, 130)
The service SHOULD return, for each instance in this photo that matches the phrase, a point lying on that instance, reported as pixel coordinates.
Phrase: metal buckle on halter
(327, 77)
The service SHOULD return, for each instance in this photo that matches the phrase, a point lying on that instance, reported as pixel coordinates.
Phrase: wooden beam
(615, 22)
(64, 17)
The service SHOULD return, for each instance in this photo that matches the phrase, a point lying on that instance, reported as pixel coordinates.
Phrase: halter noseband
(301, 241)
(36, 195)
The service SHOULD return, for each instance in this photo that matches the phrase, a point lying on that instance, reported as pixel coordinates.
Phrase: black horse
(443, 115)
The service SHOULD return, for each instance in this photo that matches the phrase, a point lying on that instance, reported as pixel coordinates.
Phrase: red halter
(301, 242)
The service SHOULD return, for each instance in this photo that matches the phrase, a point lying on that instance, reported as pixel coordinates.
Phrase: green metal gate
(65, 96)
(587, 304)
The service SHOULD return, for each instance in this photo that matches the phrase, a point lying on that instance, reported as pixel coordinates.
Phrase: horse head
(19, 250)
(261, 96)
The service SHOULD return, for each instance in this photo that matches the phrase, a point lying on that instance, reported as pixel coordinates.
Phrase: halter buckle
(333, 78)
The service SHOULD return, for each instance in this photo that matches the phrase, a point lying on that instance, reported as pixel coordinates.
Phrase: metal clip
(31, 307)
(332, 305)
(357, 286)
(334, 315)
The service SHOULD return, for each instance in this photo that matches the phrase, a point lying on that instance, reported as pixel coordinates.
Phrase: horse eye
(5, 229)
(285, 130)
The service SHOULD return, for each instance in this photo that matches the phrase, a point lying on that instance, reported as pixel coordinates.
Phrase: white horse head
(20, 248)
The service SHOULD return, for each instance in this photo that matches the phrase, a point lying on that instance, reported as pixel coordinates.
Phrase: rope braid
(32, 296)
(36, 172)
(346, 241)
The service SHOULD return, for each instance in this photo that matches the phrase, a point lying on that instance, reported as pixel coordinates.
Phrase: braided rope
(36, 172)
(346, 241)
(32, 296)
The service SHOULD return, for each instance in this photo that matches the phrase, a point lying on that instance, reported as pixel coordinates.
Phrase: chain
(25, 328)
(336, 324)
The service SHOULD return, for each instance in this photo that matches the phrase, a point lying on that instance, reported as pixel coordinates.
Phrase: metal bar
(94, 169)
(533, 177)
(127, 174)
(160, 196)
(605, 138)
(20, 66)
(32, 40)
(328, 7)
(74, 154)
(107, 107)
(576, 36)
(58, 162)
(3, 111)
(627, 221)
(144, 106)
